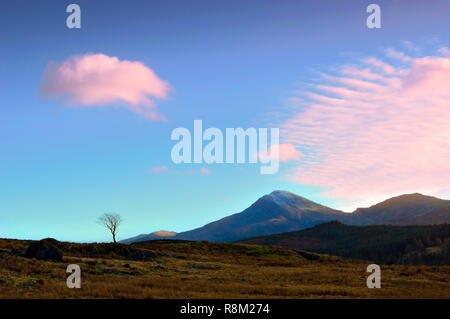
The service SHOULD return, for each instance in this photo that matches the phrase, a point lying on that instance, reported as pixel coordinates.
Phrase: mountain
(282, 211)
(278, 212)
(162, 234)
(384, 244)
(390, 210)
(434, 217)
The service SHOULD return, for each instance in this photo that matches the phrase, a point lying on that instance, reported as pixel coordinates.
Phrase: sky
(87, 114)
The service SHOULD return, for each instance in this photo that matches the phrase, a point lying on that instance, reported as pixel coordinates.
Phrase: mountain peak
(285, 198)
(410, 199)
(283, 193)
(399, 207)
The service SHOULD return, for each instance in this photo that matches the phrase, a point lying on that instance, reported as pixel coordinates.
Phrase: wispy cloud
(159, 169)
(205, 171)
(445, 51)
(101, 80)
(375, 130)
(411, 46)
(394, 54)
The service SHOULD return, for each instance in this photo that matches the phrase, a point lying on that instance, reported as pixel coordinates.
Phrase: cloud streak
(100, 80)
(159, 169)
(205, 171)
(375, 130)
(286, 152)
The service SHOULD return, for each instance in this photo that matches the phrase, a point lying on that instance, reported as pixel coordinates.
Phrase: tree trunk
(114, 238)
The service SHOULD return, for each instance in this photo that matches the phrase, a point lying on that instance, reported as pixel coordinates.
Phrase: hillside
(434, 217)
(282, 211)
(187, 270)
(404, 206)
(379, 243)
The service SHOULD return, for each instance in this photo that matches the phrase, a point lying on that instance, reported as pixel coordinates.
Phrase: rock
(196, 266)
(132, 253)
(185, 272)
(29, 284)
(94, 249)
(113, 271)
(16, 252)
(45, 249)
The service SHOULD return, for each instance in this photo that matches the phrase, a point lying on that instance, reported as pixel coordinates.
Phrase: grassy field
(208, 270)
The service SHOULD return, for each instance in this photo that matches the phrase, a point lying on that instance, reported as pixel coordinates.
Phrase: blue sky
(229, 63)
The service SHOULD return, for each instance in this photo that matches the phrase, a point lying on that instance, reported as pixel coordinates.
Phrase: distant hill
(378, 243)
(282, 211)
(434, 217)
(405, 206)
(162, 234)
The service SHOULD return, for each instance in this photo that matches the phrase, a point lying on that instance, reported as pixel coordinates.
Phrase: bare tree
(111, 222)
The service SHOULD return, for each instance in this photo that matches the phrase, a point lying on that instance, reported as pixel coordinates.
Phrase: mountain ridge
(283, 211)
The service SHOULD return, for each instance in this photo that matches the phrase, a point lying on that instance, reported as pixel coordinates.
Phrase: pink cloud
(374, 130)
(394, 54)
(159, 169)
(386, 68)
(444, 51)
(286, 152)
(205, 171)
(100, 80)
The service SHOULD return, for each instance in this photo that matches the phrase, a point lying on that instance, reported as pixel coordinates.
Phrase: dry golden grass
(210, 270)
